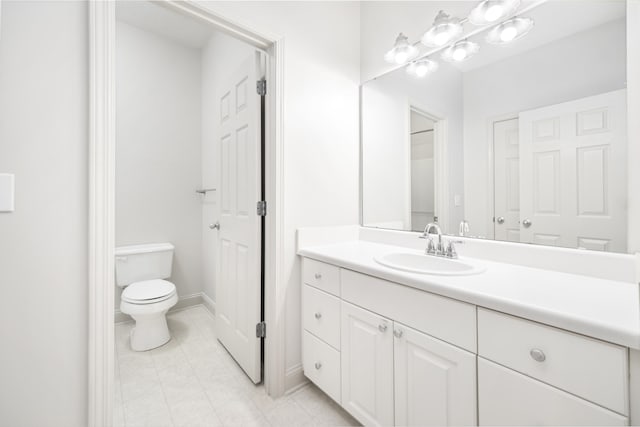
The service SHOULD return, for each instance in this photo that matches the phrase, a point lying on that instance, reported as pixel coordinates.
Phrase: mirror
(516, 135)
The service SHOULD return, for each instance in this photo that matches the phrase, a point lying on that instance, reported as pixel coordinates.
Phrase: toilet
(146, 297)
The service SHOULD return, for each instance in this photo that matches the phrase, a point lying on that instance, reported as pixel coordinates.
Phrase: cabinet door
(435, 382)
(507, 398)
(367, 366)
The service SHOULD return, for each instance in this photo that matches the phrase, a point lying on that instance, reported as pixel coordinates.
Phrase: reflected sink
(429, 264)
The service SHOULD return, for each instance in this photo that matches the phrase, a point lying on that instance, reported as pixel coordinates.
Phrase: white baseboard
(294, 379)
(209, 304)
(184, 301)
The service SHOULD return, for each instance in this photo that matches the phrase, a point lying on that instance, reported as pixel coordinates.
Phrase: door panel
(435, 382)
(506, 180)
(367, 366)
(239, 288)
(573, 183)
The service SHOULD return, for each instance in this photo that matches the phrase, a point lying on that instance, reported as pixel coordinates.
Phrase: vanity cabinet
(391, 354)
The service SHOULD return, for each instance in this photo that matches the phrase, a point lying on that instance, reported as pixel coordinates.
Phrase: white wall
(321, 78)
(158, 146)
(581, 65)
(220, 57)
(43, 244)
(385, 140)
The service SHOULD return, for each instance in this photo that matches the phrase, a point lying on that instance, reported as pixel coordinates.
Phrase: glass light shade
(422, 67)
(444, 29)
(510, 30)
(490, 11)
(402, 51)
(460, 51)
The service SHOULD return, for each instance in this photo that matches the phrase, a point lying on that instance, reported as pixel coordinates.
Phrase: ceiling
(159, 20)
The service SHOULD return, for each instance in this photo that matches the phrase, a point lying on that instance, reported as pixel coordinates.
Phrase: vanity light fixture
(510, 30)
(460, 51)
(422, 67)
(445, 28)
(402, 51)
(490, 11)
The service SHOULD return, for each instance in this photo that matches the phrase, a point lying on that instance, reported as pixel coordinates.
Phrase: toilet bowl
(141, 270)
(147, 302)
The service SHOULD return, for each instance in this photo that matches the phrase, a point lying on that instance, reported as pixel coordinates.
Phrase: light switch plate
(7, 192)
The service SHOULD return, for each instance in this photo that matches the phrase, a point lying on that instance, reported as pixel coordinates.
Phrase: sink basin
(429, 264)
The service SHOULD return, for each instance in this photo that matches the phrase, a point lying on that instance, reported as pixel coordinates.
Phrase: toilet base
(149, 333)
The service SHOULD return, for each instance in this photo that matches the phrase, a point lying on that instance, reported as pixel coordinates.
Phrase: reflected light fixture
(402, 51)
(422, 67)
(491, 11)
(460, 51)
(510, 30)
(444, 29)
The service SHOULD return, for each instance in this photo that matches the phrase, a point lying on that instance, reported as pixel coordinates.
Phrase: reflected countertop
(599, 308)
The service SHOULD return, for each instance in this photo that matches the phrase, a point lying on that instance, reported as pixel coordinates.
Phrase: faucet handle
(450, 251)
(431, 247)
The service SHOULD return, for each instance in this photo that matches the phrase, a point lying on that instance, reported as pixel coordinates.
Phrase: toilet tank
(143, 262)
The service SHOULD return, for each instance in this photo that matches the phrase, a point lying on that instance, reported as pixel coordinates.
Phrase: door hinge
(261, 208)
(261, 330)
(261, 87)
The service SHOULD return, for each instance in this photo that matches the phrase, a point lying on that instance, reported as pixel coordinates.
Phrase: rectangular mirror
(517, 133)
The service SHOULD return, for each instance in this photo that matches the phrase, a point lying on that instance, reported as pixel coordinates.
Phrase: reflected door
(239, 287)
(506, 150)
(573, 173)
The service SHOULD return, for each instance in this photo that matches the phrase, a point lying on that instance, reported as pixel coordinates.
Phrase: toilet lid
(148, 291)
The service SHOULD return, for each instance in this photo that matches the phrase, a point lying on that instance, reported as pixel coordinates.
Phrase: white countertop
(604, 309)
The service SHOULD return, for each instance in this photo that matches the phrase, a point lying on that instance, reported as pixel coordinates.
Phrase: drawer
(592, 369)
(321, 315)
(507, 398)
(321, 364)
(322, 276)
(443, 318)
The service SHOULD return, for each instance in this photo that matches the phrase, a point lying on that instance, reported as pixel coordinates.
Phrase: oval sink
(429, 264)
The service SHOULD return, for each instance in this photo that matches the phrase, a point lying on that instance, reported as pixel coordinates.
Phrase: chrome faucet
(431, 249)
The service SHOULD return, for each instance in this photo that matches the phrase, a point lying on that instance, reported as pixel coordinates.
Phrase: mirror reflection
(511, 128)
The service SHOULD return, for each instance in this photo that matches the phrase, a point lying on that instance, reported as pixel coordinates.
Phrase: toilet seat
(148, 292)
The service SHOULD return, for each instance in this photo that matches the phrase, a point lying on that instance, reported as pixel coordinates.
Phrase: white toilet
(146, 297)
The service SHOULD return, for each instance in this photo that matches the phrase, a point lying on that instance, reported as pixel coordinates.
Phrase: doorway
(422, 170)
(102, 195)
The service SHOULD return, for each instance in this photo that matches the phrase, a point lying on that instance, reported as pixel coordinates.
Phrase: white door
(506, 178)
(367, 366)
(435, 382)
(239, 287)
(573, 182)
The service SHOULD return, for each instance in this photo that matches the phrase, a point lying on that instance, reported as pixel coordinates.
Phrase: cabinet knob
(382, 327)
(398, 333)
(537, 355)
(318, 315)
(318, 276)
(318, 365)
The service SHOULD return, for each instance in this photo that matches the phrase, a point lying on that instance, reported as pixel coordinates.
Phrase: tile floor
(192, 381)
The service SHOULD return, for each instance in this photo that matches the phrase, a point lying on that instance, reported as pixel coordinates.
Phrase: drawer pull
(318, 365)
(382, 327)
(318, 276)
(397, 333)
(318, 315)
(537, 355)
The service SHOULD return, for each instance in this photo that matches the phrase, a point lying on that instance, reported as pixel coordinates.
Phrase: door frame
(491, 172)
(101, 213)
(440, 163)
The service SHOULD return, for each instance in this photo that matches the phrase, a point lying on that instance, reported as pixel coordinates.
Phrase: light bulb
(508, 34)
(490, 11)
(422, 67)
(401, 57)
(402, 51)
(444, 29)
(460, 51)
(441, 38)
(459, 54)
(510, 30)
(494, 13)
